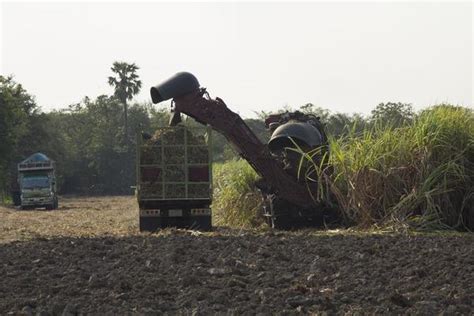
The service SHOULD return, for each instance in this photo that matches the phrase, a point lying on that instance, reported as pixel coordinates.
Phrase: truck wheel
(50, 207)
(55, 203)
(203, 223)
(150, 224)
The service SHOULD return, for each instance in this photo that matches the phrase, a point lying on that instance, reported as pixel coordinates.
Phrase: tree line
(93, 141)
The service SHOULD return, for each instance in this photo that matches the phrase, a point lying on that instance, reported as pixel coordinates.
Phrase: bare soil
(87, 257)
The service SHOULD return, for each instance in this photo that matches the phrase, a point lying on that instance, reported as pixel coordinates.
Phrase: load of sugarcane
(172, 149)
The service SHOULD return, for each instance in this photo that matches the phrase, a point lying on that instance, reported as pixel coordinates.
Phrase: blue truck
(37, 182)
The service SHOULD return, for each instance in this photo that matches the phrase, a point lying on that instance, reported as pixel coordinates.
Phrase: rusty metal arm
(215, 113)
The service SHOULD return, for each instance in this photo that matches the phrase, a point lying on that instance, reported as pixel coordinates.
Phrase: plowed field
(87, 257)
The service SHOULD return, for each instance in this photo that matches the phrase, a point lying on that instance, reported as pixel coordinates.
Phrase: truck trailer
(174, 178)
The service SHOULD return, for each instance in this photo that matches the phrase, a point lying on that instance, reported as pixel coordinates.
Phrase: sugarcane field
(227, 158)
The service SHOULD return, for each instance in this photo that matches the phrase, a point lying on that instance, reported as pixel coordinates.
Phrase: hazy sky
(347, 57)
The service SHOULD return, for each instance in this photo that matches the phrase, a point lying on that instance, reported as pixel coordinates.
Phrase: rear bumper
(175, 212)
(155, 219)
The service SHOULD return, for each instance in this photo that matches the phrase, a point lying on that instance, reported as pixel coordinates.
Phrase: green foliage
(310, 108)
(420, 175)
(159, 116)
(97, 161)
(337, 124)
(340, 124)
(86, 139)
(396, 114)
(18, 115)
(237, 202)
(126, 85)
(223, 150)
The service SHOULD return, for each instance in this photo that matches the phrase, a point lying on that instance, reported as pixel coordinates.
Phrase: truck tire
(55, 204)
(149, 224)
(203, 223)
(50, 207)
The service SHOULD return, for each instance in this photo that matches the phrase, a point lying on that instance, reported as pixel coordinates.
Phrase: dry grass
(117, 216)
(237, 203)
(76, 217)
(420, 175)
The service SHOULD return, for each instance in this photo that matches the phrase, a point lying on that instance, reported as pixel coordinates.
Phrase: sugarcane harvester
(290, 194)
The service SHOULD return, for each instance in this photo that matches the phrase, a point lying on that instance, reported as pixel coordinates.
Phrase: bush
(237, 201)
(421, 175)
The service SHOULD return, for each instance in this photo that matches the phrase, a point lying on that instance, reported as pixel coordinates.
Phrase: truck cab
(37, 182)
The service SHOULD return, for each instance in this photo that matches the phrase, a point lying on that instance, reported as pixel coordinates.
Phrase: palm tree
(126, 85)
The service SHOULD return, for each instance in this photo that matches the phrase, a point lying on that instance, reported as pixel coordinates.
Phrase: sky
(257, 56)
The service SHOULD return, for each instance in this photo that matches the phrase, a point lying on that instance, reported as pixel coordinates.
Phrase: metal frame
(162, 165)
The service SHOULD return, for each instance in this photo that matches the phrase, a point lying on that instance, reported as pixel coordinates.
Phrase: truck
(37, 182)
(174, 178)
(292, 197)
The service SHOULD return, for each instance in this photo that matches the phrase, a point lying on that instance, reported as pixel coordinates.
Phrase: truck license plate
(175, 213)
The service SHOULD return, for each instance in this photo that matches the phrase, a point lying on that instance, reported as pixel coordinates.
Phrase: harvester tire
(279, 217)
(283, 215)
